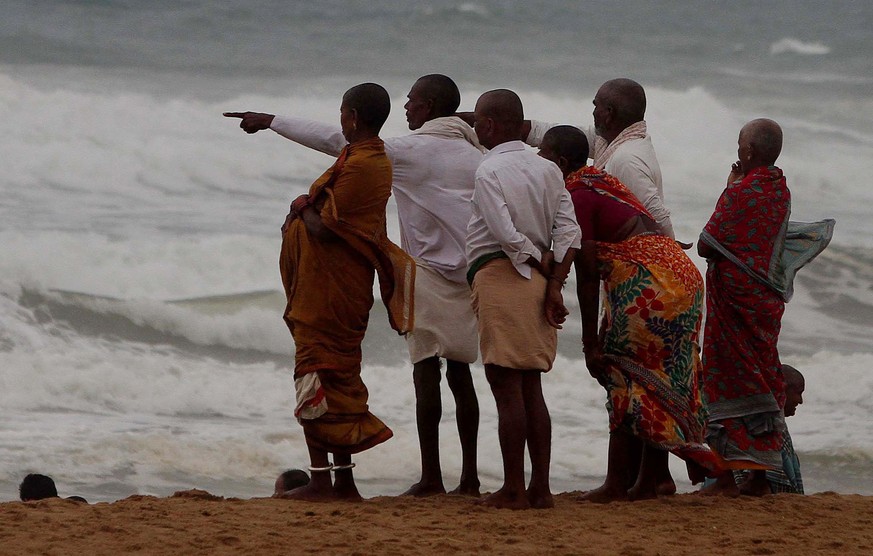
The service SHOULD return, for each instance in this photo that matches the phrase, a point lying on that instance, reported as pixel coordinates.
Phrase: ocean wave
(796, 46)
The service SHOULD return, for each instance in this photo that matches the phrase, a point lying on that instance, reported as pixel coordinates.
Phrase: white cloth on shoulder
(450, 127)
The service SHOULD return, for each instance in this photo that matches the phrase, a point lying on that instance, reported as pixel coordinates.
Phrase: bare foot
(603, 495)
(505, 499)
(467, 489)
(641, 493)
(422, 489)
(755, 485)
(540, 500)
(666, 488)
(312, 493)
(723, 486)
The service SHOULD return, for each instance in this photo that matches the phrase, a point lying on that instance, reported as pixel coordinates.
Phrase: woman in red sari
(646, 354)
(743, 243)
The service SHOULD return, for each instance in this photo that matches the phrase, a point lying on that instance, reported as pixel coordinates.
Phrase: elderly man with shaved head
(621, 145)
(742, 375)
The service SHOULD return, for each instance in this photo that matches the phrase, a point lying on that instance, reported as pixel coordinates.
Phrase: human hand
(556, 312)
(736, 172)
(468, 117)
(252, 122)
(595, 361)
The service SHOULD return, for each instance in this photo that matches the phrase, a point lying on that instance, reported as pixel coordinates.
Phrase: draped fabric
(743, 382)
(653, 312)
(603, 151)
(329, 290)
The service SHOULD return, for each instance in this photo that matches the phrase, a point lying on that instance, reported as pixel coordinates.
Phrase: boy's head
(289, 480)
(794, 387)
(37, 487)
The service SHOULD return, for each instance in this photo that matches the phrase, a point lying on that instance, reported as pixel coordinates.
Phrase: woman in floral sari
(646, 353)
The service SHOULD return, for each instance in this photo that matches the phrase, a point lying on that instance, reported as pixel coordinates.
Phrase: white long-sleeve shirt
(634, 163)
(433, 186)
(520, 207)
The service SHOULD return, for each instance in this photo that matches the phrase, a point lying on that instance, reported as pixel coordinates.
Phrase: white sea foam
(150, 205)
(797, 46)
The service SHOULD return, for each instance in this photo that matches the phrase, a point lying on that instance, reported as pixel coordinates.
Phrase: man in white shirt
(433, 171)
(521, 210)
(621, 145)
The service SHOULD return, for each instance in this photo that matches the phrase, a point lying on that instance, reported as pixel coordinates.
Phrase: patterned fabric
(742, 378)
(603, 151)
(602, 183)
(788, 478)
(653, 306)
(653, 311)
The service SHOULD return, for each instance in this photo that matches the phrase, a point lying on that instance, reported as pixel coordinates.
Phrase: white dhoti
(445, 325)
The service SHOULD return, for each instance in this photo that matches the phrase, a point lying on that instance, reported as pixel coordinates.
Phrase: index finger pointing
(234, 114)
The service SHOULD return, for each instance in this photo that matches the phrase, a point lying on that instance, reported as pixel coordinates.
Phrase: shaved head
(503, 106)
(498, 117)
(793, 378)
(372, 103)
(627, 98)
(442, 91)
(764, 136)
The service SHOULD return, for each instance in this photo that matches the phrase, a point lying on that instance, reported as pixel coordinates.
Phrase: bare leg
(344, 481)
(428, 412)
(666, 484)
(320, 487)
(467, 416)
(506, 385)
(724, 485)
(617, 470)
(651, 470)
(539, 440)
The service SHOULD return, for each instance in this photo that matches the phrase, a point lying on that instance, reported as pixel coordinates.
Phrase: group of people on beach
(490, 231)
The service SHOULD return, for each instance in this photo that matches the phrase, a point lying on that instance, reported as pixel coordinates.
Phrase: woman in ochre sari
(646, 354)
(334, 243)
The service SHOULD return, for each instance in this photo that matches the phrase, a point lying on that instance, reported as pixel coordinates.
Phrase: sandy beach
(196, 522)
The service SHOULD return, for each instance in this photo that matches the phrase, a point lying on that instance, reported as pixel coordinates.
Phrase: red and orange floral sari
(653, 312)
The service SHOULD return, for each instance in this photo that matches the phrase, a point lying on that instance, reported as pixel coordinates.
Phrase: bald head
(794, 387)
(627, 98)
(763, 137)
(501, 105)
(793, 378)
(498, 117)
(441, 91)
(371, 102)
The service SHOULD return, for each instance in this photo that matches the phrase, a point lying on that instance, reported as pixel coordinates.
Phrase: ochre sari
(329, 288)
(743, 380)
(653, 311)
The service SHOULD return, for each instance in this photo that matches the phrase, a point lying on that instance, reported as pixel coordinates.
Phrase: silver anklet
(343, 467)
(329, 467)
